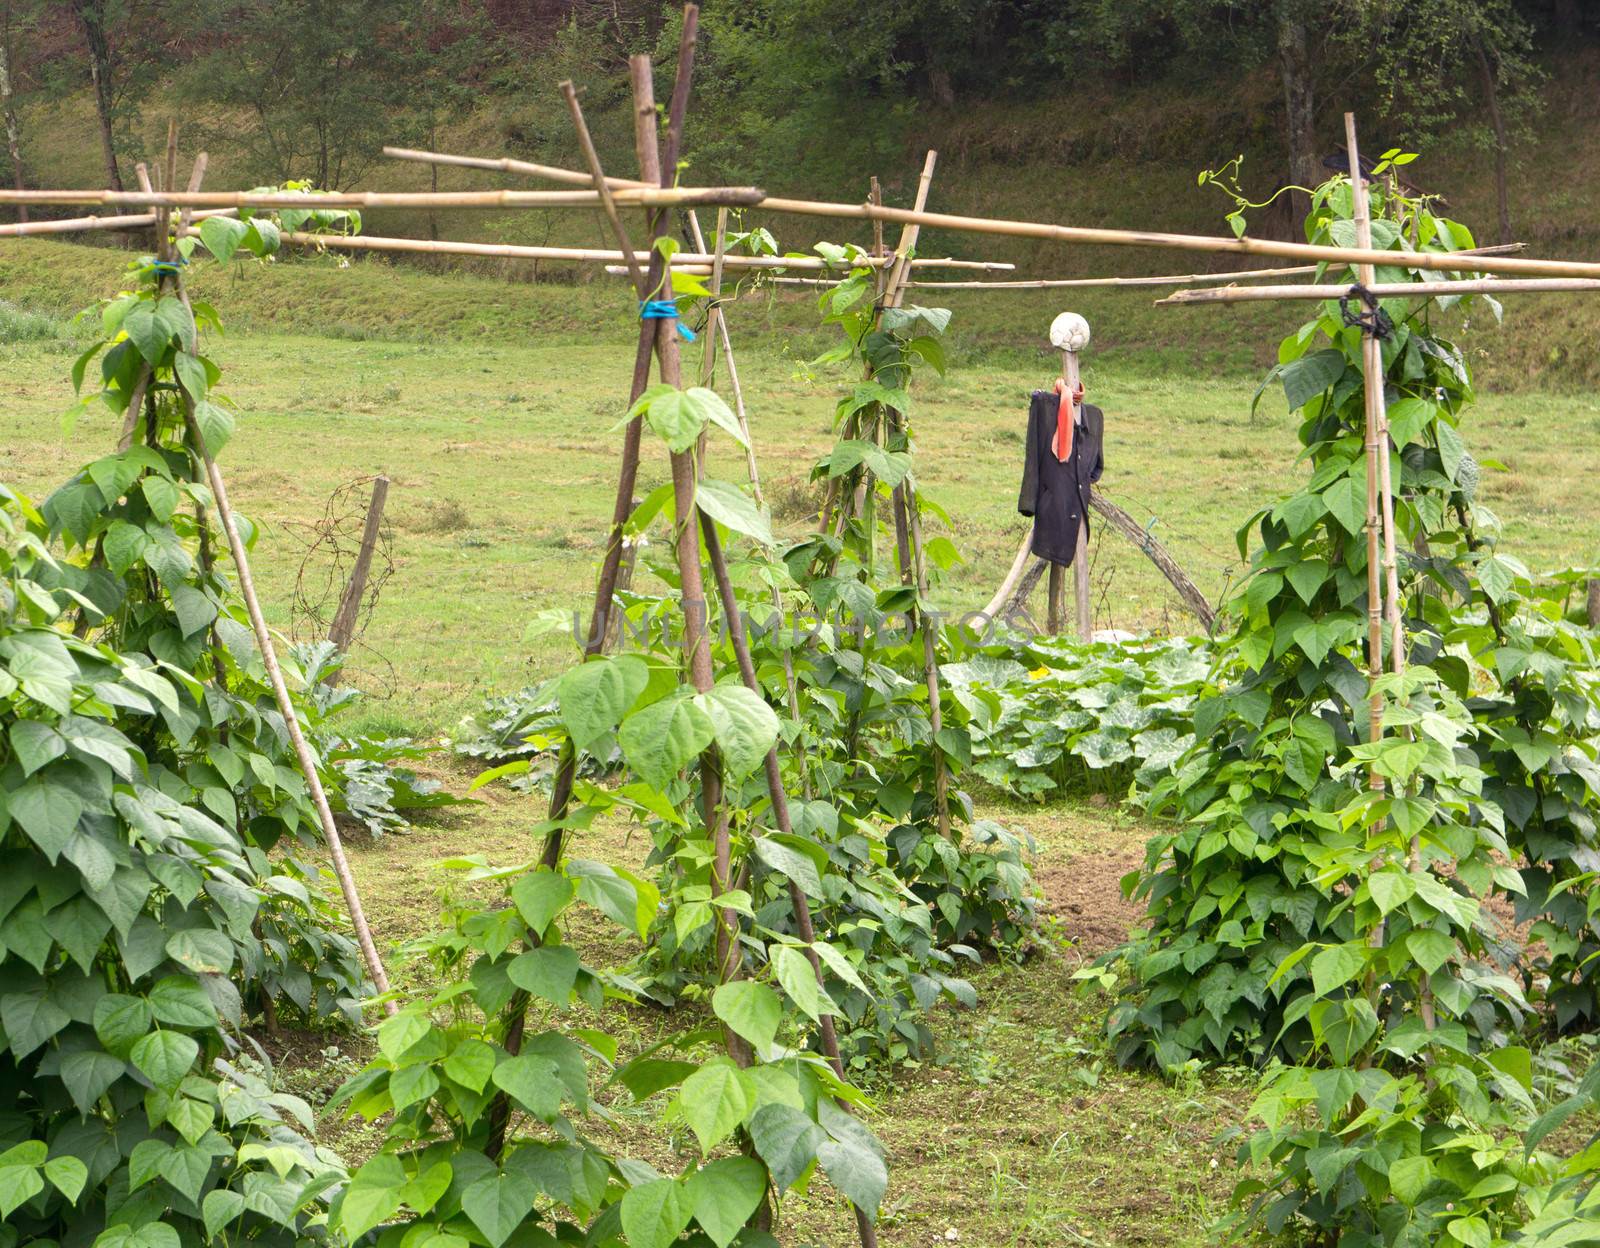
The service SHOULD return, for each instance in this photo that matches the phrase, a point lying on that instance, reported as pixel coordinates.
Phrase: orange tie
(1061, 444)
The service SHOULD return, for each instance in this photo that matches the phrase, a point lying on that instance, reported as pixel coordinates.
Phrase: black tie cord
(1374, 321)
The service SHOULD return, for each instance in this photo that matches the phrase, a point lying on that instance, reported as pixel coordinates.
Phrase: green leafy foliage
(1319, 905)
(1046, 716)
(151, 827)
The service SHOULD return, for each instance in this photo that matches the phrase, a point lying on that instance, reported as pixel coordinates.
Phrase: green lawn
(502, 459)
(497, 438)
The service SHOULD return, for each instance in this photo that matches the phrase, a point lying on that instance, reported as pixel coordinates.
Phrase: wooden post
(343, 631)
(1594, 603)
(1070, 333)
(1056, 593)
(996, 605)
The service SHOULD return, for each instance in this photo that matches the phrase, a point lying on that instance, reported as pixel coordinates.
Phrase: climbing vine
(157, 837)
(1319, 905)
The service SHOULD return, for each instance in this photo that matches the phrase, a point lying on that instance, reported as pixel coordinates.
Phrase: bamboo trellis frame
(1548, 275)
(1440, 261)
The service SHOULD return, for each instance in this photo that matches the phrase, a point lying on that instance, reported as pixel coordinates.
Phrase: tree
(326, 84)
(1304, 43)
(93, 18)
(124, 41)
(17, 19)
(1432, 54)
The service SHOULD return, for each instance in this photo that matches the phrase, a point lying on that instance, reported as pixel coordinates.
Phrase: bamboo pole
(751, 467)
(1098, 236)
(1175, 279)
(663, 197)
(80, 225)
(753, 196)
(308, 767)
(506, 165)
(662, 167)
(1373, 378)
(1384, 290)
(280, 690)
(905, 502)
(627, 477)
(613, 258)
(716, 321)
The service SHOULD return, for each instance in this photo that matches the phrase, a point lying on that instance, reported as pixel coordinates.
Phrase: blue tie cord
(167, 266)
(664, 310)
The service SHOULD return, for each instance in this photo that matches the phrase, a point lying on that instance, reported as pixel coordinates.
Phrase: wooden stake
(1158, 554)
(343, 630)
(1055, 617)
(1080, 559)
(1008, 586)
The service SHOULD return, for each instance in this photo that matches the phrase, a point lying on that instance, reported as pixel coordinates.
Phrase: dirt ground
(1085, 896)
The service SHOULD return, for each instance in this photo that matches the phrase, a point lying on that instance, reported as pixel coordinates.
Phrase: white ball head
(1069, 332)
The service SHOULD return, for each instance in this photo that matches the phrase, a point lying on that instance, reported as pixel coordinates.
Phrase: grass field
(490, 407)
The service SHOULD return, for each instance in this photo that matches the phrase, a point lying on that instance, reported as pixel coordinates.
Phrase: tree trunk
(91, 15)
(1299, 102)
(13, 130)
(1489, 77)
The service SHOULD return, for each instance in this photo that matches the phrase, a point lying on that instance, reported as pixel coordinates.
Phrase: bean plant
(158, 840)
(1318, 905)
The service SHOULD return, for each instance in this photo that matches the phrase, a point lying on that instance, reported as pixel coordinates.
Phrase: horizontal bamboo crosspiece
(689, 261)
(661, 197)
(1383, 290)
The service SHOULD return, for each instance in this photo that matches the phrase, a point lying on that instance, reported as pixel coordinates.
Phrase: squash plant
(1047, 715)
